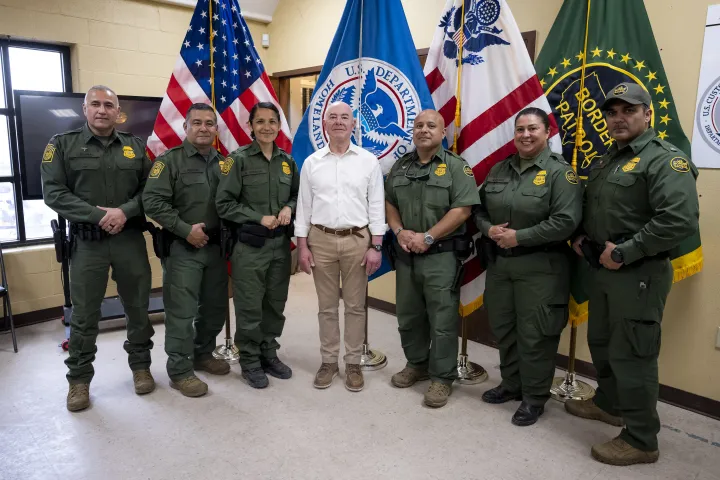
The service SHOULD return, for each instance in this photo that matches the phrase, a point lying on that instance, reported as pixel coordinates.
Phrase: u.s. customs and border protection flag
(620, 48)
(384, 85)
(497, 81)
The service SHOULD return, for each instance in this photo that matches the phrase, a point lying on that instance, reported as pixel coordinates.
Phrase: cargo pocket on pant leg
(644, 337)
(552, 319)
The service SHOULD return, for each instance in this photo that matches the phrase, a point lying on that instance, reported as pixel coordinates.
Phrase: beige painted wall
(128, 45)
(688, 359)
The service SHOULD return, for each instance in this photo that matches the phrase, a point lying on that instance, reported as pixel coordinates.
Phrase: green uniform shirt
(180, 190)
(543, 204)
(423, 194)
(252, 187)
(643, 194)
(80, 174)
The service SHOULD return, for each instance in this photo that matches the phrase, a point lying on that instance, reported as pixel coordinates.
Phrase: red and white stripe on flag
(498, 81)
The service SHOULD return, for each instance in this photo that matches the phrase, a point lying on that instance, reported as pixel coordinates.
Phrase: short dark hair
(535, 111)
(258, 106)
(202, 107)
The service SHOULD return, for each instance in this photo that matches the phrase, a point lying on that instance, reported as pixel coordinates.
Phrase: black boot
(527, 414)
(255, 377)
(500, 395)
(276, 368)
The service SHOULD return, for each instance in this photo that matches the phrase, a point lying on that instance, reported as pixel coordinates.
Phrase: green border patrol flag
(611, 42)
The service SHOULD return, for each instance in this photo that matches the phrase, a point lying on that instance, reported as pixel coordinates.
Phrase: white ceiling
(259, 10)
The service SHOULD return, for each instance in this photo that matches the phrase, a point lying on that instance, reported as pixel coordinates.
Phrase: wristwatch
(377, 248)
(616, 255)
(429, 240)
(397, 232)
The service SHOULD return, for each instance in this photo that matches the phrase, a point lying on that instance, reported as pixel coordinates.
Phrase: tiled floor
(293, 431)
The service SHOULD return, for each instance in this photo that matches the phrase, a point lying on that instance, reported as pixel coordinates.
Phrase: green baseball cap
(631, 93)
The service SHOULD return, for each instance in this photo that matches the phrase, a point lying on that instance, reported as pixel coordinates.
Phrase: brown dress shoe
(618, 452)
(190, 386)
(212, 365)
(78, 397)
(354, 380)
(437, 395)
(408, 376)
(144, 381)
(325, 375)
(588, 409)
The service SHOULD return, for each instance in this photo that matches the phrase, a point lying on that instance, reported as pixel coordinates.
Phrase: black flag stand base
(569, 388)
(468, 373)
(370, 359)
(228, 352)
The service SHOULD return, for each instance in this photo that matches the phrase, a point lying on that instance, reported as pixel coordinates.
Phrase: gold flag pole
(568, 387)
(468, 373)
(228, 352)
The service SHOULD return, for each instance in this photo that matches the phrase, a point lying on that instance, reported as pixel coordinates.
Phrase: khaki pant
(335, 258)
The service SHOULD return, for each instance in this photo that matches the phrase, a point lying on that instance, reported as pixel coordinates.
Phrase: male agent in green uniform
(257, 195)
(94, 177)
(640, 201)
(429, 194)
(180, 196)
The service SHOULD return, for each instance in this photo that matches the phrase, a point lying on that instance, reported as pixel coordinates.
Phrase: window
(25, 66)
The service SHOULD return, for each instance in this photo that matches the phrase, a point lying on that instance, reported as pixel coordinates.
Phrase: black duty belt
(520, 251)
(261, 231)
(93, 232)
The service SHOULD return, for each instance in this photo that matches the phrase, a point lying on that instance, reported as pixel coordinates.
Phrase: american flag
(498, 80)
(237, 80)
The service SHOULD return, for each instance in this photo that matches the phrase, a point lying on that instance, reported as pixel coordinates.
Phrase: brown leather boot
(588, 409)
(212, 365)
(408, 376)
(78, 397)
(325, 375)
(354, 380)
(437, 395)
(190, 386)
(618, 452)
(143, 381)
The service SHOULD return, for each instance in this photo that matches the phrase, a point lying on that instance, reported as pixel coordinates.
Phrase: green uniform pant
(195, 296)
(261, 277)
(427, 312)
(90, 263)
(625, 311)
(527, 303)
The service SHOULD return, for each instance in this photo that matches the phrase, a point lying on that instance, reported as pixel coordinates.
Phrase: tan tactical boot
(144, 381)
(437, 395)
(408, 376)
(325, 375)
(618, 452)
(212, 365)
(354, 380)
(78, 397)
(588, 409)
(190, 386)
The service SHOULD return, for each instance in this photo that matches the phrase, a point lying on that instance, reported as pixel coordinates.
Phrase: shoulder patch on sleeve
(679, 164)
(468, 171)
(225, 165)
(571, 177)
(49, 153)
(156, 169)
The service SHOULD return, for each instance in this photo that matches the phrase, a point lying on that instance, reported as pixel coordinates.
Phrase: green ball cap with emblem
(627, 92)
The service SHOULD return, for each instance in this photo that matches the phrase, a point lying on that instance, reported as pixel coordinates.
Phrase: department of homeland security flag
(498, 81)
(384, 85)
(232, 82)
(620, 48)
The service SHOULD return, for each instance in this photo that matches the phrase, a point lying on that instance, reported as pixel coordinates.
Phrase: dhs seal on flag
(384, 102)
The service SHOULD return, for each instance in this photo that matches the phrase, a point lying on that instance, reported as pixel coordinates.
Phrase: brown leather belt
(342, 233)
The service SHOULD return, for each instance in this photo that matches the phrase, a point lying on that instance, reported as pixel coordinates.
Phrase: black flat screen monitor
(40, 115)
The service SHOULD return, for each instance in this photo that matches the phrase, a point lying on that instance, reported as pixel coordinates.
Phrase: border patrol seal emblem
(571, 177)
(286, 168)
(708, 115)
(128, 152)
(679, 164)
(156, 169)
(385, 106)
(468, 171)
(49, 153)
(620, 90)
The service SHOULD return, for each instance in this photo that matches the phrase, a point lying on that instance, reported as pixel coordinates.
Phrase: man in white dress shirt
(339, 225)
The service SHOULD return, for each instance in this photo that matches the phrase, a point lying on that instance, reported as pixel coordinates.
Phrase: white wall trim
(191, 4)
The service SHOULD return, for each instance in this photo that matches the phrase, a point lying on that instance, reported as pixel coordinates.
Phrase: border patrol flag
(373, 66)
(611, 42)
